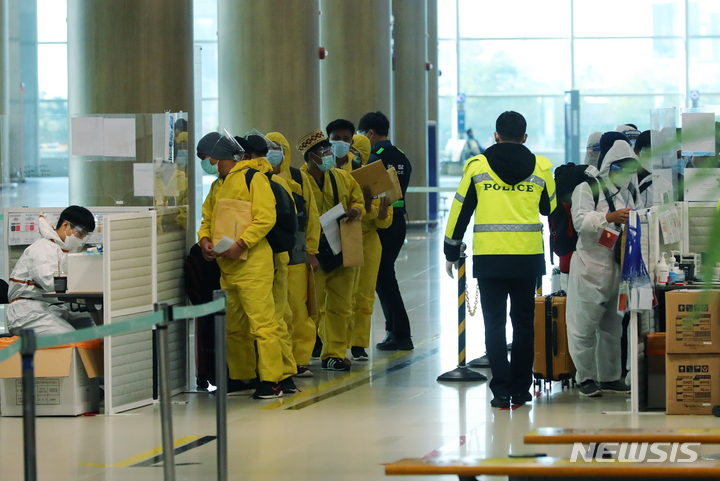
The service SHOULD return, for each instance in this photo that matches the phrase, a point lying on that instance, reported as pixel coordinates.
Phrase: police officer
(508, 187)
(375, 126)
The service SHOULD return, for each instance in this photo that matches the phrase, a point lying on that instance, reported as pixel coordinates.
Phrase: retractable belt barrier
(163, 316)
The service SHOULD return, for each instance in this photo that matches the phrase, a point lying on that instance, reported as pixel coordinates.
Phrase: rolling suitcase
(552, 356)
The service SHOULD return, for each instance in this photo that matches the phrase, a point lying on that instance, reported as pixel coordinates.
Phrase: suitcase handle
(555, 338)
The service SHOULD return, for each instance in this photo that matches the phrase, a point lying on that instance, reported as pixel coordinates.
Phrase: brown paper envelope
(312, 306)
(373, 176)
(352, 243)
(394, 194)
(232, 217)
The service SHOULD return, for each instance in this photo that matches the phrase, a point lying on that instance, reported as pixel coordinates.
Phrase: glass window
(704, 17)
(630, 66)
(52, 71)
(622, 18)
(603, 114)
(205, 20)
(209, 69)
(545, 118)
(210, 116)
(705, 65)
(52, 20)
(446, 124)
(52, 140)
(447, 58)
(447, 24)
(514, 19)
(514, 66)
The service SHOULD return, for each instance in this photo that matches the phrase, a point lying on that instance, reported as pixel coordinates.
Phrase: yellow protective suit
(364, 301)
(301, 327)
(248, 283)
(362, 144)
(335, 289)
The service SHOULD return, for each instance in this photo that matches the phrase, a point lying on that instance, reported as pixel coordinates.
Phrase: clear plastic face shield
(275, 154)
(622, 172)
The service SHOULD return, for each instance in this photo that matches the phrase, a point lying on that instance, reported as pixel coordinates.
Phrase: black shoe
(268, 390)
(288, 386)
(617, 387)
(334, 364)
(393, 344)
(317, 350)
(522, 398)
(589, 388)
(358, 353)
(236, 386)
(500, 402)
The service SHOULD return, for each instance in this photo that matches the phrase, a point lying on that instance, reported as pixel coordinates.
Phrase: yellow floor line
(330, 385)
(143, 456)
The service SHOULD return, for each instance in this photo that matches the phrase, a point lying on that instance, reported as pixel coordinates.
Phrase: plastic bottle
(662, 271)
(674, 275)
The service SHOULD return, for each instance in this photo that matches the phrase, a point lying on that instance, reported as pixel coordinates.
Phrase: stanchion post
(221, 378)
(462, 373)
(27, 355)
(166, 425)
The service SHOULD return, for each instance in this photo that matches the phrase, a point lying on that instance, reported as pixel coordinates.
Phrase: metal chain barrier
(472, 310)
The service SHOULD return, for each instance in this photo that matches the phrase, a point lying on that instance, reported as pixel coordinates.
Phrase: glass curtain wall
(624, 57)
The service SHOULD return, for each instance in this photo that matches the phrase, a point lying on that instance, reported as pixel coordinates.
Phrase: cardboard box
(693, 321)
(66, 382)
(693, 383)
(85, 272)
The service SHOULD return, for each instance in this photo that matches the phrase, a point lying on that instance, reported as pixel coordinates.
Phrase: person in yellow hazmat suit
(359, 333)
(248, 283)
(333, 283)
(340, 133)
(301, 327)
(258, 148)
(361, 148)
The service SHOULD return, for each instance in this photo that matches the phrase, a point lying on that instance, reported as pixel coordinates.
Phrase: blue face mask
(328, 162)
(209, 168)
(275, 157)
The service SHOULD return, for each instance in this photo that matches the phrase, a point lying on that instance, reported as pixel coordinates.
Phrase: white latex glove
(449, 267)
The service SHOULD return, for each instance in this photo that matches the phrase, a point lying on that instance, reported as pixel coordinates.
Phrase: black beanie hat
(225, 149)
(206, 144)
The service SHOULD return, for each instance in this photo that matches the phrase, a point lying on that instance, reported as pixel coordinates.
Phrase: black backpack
(282, 236)
(298, 254)
(563, 236)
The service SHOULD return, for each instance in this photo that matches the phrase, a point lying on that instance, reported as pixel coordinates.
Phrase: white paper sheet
(224, 244)
(670, 226)
(331, 229)
(119, 137)
(143, 180)
(87, 136)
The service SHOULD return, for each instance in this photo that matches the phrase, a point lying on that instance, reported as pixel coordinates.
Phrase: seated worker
(340, 133)
(334, 287)
(34, 272)
(248, 283)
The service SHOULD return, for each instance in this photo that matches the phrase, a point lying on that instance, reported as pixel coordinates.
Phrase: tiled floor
(341, 426)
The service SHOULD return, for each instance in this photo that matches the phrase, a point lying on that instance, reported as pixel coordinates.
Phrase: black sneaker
(500, 402)
(617, 387)
(358, 353)
(589, 388)
(334, 364)
(317, 350)
(268, 390)
(288, 386)
(236, 386)
(522, 398)
(393, 344)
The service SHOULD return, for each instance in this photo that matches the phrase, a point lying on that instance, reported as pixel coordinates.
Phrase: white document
(670, 226)
(224, 244)
(698, 134)
(87, 136)
(702, 185)
(143, 180)
(119, 137)
(662, 185)
(330, 227)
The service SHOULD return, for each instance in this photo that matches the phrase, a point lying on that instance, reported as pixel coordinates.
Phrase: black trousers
(387, 289)
(514, 377)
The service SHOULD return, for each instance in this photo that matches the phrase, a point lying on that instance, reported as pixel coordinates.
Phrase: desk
(90, 302)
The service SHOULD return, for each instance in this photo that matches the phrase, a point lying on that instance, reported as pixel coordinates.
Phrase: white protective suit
(594, 326)
(33, 274)
(593, 149)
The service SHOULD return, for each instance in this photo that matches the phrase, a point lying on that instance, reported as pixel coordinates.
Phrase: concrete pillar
(129, 57)
(356, 76)
(411, 94)
(269, 67)
(432, 55)
(4, 94)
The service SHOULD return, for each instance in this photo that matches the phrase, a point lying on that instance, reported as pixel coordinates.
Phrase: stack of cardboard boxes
(692, 362)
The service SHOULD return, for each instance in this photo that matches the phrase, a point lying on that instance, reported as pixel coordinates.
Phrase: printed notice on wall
(143, 180)
(87, 136)
(119, 137)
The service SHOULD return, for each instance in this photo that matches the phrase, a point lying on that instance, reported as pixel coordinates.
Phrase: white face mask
(340, 148)
(72, 242)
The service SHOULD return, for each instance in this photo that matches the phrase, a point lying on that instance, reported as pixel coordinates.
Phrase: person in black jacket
(375, 126)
